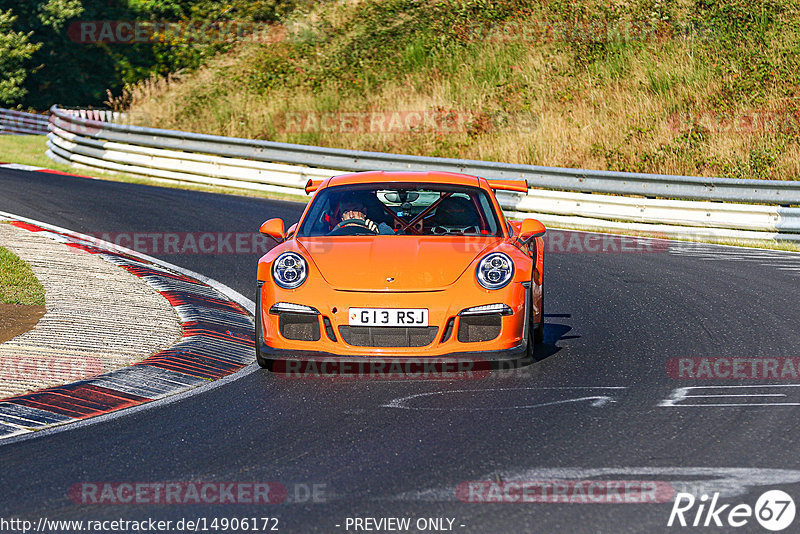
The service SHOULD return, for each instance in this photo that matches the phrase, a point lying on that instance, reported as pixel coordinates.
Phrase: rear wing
(520, 186)
(312, 185)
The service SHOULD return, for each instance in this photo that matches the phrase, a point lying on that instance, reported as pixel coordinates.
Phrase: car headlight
(289, 270)
(495, 270)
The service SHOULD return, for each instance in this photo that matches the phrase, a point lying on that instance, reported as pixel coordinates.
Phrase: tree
(15, 50)
(63, 70)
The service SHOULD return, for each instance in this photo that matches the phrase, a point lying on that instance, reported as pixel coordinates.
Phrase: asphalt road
(595, 407)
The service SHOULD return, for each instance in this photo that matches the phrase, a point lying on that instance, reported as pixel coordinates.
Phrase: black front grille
(474, 328)
(299, 326)
(388, 336)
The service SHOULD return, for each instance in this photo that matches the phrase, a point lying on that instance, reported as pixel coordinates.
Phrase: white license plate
(388, 317)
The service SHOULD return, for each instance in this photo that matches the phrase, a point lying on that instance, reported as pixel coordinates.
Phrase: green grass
(18, 284)
(28, 150)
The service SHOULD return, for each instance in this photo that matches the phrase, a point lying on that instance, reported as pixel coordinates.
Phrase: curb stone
(217, 341)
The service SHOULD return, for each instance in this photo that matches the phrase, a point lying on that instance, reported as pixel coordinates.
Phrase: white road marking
(597, 401)
(781, 260)
(21, 167)
(678, 395)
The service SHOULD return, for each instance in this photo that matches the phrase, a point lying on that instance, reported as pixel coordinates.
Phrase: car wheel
(538, 331)
(531, 328)
(262, 362)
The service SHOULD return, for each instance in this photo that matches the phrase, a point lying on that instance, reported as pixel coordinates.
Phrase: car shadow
(553, 333)
(411, 368)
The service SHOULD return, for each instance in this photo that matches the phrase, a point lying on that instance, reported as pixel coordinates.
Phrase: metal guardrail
(21, 123)
(707, 207)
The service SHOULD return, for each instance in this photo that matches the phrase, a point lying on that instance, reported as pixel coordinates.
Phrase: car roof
(426, 177)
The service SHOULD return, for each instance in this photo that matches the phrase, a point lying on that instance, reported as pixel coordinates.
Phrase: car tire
(260, 360)
(538, 331)
(530, 328)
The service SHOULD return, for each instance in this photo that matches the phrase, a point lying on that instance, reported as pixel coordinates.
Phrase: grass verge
(28, 150)
(18, 284)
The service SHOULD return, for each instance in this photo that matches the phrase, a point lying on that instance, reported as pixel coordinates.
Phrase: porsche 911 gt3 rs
(401, 264)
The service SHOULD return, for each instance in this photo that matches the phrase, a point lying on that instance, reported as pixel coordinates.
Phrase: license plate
(388, 317)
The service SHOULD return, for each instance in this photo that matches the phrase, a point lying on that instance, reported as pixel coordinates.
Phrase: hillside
(698, 87)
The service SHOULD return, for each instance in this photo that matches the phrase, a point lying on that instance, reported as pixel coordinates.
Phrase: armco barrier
(21, 123)
(682, 206)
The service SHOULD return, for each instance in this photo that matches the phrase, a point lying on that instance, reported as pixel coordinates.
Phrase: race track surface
(599, 405)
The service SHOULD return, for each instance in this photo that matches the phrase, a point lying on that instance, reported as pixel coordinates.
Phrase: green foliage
(689, 147)
(739, 17)
(58, 69)
(269, 70)
(15, 51)
(381, 41)
(752, 45)
(661, 56)
(55, 12)
(761, 162)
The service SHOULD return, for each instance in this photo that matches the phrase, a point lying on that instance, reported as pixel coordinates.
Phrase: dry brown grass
(616, 114)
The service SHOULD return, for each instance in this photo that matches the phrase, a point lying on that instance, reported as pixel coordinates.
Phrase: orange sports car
(401, 264)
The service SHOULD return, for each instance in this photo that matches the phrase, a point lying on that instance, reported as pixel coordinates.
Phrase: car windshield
(401, 209)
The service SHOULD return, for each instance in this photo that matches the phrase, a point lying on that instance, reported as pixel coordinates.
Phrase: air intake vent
(474, 328)
(299, 326)
(368, 336)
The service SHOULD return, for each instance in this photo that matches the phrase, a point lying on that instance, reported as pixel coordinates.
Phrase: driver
(353, 212)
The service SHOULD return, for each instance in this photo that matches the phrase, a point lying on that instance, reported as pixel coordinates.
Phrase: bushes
(61, 70)
(15, 51)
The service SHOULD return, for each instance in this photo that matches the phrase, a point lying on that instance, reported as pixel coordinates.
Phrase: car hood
(413, 263)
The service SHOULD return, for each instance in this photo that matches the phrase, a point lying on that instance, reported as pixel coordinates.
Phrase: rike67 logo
(774, 510)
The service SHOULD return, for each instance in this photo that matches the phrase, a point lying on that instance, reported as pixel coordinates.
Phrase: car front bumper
(329, 325)
(514, 353)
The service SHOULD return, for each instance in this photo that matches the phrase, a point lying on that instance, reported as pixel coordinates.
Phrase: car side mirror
(274, 229)
(530, 229)
(291, 230)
